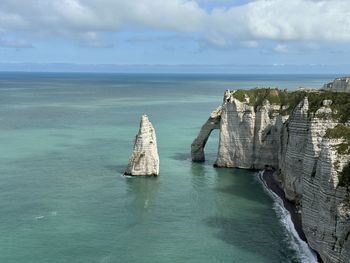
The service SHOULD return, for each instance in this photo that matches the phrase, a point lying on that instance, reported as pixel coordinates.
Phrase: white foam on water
(53, 213)
(106, 259)
(126, 176)
(305, 253)
(39, 217)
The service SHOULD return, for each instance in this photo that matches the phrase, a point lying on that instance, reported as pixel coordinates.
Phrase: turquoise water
(65, 141)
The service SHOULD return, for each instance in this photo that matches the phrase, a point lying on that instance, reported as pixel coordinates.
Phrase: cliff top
(289, 100)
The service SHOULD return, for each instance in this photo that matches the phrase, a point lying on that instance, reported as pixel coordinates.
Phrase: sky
(111, 34)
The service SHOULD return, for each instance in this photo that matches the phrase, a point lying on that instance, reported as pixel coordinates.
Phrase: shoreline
(269, 181)
(268, 177)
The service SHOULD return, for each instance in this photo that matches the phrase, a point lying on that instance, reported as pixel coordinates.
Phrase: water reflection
(181, 156)
(238, 182)
(143, 191)
(252, 235)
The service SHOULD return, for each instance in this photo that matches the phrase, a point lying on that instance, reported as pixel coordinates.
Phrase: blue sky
(314, 33)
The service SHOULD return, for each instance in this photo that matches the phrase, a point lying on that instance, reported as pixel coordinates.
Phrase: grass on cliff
(340, 132)
(344, 176)
(289, 100)
(257, 96)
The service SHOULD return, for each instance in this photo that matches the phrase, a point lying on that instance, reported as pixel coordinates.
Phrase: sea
(65, 141)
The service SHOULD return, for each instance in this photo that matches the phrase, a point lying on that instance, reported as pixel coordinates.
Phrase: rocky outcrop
(325, 206)
(236, 134)
(339, 85)
(249, 136)
(310, 169)
(291, 161)
(144, 159)
(290, 131)
(197, 147)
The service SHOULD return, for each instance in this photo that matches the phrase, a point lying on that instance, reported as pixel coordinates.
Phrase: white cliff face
(326, 206)
(292, 160)
(308, 163)
(144, 159)
(339, 85)
(310, 166)
(249, 138)
(268, 125)
(236, 135)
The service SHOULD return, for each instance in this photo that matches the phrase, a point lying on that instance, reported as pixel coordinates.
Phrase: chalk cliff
(305, 135)
(339, 85)
(249, 134)
(144, 159)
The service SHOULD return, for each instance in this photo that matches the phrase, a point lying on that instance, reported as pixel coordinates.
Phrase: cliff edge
(305, 135)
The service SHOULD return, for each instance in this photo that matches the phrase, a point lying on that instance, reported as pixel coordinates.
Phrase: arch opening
(198, 145)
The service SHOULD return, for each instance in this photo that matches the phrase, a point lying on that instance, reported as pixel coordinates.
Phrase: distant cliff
(305, 135)
(338, 85)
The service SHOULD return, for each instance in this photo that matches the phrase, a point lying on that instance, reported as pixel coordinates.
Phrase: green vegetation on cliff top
(289, 100)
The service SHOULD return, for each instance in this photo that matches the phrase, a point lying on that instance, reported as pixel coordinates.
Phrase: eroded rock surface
(249, 135)
(325, 206)
(144, 159)
(264, 128)
(197, 147)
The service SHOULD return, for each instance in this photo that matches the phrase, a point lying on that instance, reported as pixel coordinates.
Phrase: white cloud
(281, 48)
(297, 20)
(260, 20)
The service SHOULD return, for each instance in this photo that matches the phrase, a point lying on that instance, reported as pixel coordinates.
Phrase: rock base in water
(144, 159)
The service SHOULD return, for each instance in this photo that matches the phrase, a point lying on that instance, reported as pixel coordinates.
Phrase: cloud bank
(223, 25)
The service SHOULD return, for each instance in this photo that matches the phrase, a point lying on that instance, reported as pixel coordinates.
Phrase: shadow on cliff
(250, 234)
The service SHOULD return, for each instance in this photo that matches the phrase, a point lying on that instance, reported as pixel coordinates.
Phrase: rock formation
(197, 147)
(339, 85)
(246, 133)
(144, 159)
(305, 135)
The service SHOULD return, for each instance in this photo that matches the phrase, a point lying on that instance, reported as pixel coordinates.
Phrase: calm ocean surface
(65, 140)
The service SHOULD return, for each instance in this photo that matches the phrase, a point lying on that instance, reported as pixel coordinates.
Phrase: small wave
(146, 204)
(126, 176)
(53, 213)
(39, 217)
(305, 253)
(106, 259)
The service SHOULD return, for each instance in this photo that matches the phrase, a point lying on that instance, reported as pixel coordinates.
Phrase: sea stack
(144, 159)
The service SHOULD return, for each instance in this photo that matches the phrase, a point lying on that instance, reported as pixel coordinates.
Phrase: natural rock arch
(197, 146)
